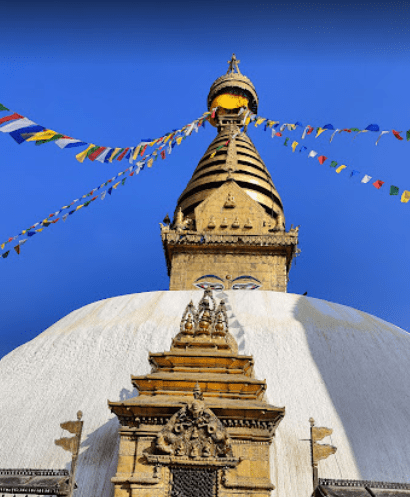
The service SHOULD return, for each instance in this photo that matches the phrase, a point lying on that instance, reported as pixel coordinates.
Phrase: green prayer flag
(87, 203)
(394, 190)
(333, 163)
(355, 129)
(123, 181)
(286, 142)
(408, 135)
(3, 108)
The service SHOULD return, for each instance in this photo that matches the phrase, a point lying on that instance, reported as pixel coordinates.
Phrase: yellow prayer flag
(2, 246)
(136, 152)
(212, 155)
(46, 134)
(248, 120)
(116, 184)
(320, 131)
(149, 163)
(259, 121)
(294, 145)
(179, 140)
(79, 207)
(114, 154)
(340, 168)
(40, 230)
(153, 143)
(271, 123)
(82, 155)
(405, 197)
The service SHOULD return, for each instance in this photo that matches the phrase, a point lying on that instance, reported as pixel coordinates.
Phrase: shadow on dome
(364, 365)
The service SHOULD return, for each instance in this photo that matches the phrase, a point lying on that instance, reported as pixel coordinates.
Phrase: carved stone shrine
(200, 426)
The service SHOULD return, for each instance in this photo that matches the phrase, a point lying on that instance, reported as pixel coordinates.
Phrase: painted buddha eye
(210, 281)
(246, 282)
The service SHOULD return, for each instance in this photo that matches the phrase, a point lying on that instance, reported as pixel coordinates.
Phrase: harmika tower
(228, 230)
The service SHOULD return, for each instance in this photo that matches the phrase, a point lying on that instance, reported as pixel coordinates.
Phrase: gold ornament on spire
(233, 64)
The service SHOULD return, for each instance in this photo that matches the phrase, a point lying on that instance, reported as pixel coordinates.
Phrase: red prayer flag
(378, 184)
(55, 220)
(310, 130)
(278, 134)
(11, 117)
(92, 200)
(321, 159)
(51, 215)
(397, 134)
(143, 150)
(10, 239)
(213, 114)
(96, 153)
(348, 130)
(163, 154)
(132, 174)
(121, 156)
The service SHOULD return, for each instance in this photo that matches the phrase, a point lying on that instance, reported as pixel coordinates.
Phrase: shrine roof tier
(201, 362)
(234, 386)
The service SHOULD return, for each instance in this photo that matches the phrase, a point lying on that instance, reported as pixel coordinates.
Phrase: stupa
(243, 393)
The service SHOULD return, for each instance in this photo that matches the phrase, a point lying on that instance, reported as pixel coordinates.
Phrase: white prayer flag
(366, 178)
(312, 153)
(103, 194)
(20, 123)
(381, 134)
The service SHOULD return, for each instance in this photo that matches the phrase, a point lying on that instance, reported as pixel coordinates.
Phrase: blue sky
(114, 73)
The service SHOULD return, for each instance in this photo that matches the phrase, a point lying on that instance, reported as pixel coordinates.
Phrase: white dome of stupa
(348, 370)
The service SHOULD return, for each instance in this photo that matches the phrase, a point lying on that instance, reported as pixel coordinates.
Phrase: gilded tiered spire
(230, 205)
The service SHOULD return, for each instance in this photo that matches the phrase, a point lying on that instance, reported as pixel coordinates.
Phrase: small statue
(235, 224)
(230, 201)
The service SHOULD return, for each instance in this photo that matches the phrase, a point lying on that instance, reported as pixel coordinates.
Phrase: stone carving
(230, 202)
(235, 224)
(211, 223)
(194, 432)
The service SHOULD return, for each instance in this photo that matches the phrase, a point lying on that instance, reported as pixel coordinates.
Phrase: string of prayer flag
(22, 129)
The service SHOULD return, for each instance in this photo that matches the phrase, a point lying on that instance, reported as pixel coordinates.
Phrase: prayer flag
(104, 154)
(372, 127)
(123, 181)
(17, 124)
(22, 242)
(136, 152)
(381, 134)
(67, 142)
(17, 248)
(20, 135)
(163, 154)
(333, 135)
(11, 117)
(122, 155)
(333, 163)
(31, 233)
(328, 126)
(5, 255)
(3, 108)
(294, 145)
(340, 168)
(366, 178)
(93, 155)
(103, 194)
(353, 173)
(259, 120)
(149, 163)
(109, 190)
(52, 139)
(82, 155)
(378, 184)
(312, 153)
(321, 159)
(405, 196)
(408, 135)
(302, 149)
(286, 141)
(397, 134)
(65, 217)
(115, 153)
(394, 190)
(79, 207)
(42, 135)
(143, 150)
(319, 131)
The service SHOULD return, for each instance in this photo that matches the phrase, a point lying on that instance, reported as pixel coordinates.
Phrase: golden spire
(233, 64)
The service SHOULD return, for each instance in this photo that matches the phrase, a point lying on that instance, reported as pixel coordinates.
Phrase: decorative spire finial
(233, 64)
